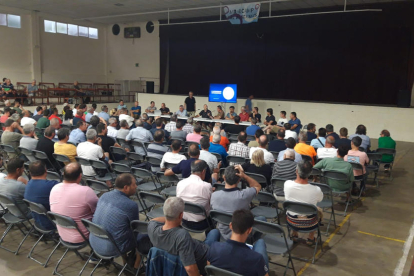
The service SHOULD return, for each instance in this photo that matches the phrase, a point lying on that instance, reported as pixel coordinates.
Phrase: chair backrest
(374, 156)
(194, 209)
(334, 175)
(300, 208)
(251, 138)
(275, 154)
(265, 198)
(26, 151)
(135, 156)
(267, 227)
(10, 204)
(218, 156)
(167, 178)
(139, 226)
(357, 166)
(278, 182)
(316, 172)
(154, 161)
(100, 232)
(221, 217)
(215, 271)
(53, 176)
(139, 144)
(7, 148)
(169, 165)
(235, 159)
(258, 177)
(98, 164)
(117, 150)
(306, 157)
(219, 187)
(325, 188)
(392, 152)
(97, 185)
(189, 143)
(83, 161)
(119, 168)
(153, 198)
(61, 158)
(62, 221)
(40, 155)
(142, 173)
(36, 207)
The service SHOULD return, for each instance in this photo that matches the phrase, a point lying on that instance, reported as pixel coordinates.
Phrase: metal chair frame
(328, 198)
(215, 271)
(154, 200)
(196, 209)
(334, 175)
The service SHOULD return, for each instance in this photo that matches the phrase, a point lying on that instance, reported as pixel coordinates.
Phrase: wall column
(35, 47)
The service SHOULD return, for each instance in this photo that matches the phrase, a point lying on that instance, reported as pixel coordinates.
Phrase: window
(50, 26)
(83, 31)
(93, 33)
(13, 21)
(3, 19)
(62, 28)
(72, 30)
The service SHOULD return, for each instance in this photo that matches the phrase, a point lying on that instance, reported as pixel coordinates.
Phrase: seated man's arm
(294, 126)
(168, 172)
(159, 219)
(250, 181)
(192, 270)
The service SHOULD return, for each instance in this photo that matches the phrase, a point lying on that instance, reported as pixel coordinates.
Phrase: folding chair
(149, 186)
(275, 154)
(154, 199)
(119, 168)
(304, 209)
(140, 227)
(215, 271)
(259, 178)
(41, 211)
(101, 233)
(169, 165)
(139, 144)
(61, 160)
(171, 180)
(233, 139)
(373, 167)
(338, 176)
(196, 210)
(359, 167)
(69, 223)
(219, 187)
(14, 217)
(327, 202)
(251, 138)
(265, 211)
(276, 242)
(278, 186)
(121, 152)
(155, 162)
(39, 131)
(392, 152)
(97, 186)
(218, 156)
(134, 157)
(53, 176)
(99, 166)
(40, 155)
(234, 160)
(7, 149)
(84, 162)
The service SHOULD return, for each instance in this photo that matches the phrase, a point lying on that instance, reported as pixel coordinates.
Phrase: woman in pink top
(357, 156)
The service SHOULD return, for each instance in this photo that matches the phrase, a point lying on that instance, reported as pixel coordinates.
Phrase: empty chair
(327, 202)
(98, 186)
(119, 168)
(154, 199)
(268, 212)
(373, 167)
(101, 170)
(53, 176)
(151, 184)
(231, 159)
(215, 271)
(170, 186)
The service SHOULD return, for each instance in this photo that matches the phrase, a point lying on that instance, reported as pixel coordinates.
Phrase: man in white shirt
(112, 131)
(173, 157)
(193, 189)
(124, 116)
(329, 151)
(283, 120)
(207, 156)
(239, 148)
(299, 190)
(27, 119)
(289, 133)
(188, 127)
(268, 156)
(171, 126)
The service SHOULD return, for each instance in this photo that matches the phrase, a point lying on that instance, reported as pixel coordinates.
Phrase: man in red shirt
(244, 116)
(55, 115)
(6, 115)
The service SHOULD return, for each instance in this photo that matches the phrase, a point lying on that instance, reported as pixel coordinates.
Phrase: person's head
(199, 167)
(55, 111)
(190, 94)
(68, 114)
(8, 123)
(289, 154)
(197, 129)
(50, 132)
(82, 125)
(139, 123)
(4, 79)
(173, 209)
(159, 136)
(190, 120)
(104, 108)
(231, 109)
(91, 110)
(55, 123)
(205, 107)
(75, 82)
(94, 121)
(8, 81)
(330, 141)
(269, 111)
(126, 183)
(230, 176)
(193, 151)
(342, 151)
(216, 130)
(242, 137)
(303, 137)
(136, 103)
(26, 113)
(158, 122)
(176, 146)
(17, 103)
(329, 128)
(174, 118)
(237, 119)
(38, 169)
(385, 133)
(179, 125)
(83, 107)
(287, 126)
(121, 102)
(91, 135)
(39, 110)
(290, 143)
(72, 173)
(311, 127)
(79, 113)
(112, 122)
(181, 108)
(258, 158)
(361, 130)
(144, 117)
(15, 167)
(152, 103)
(46, 112)
(356, 142)
(123, 111)
(242, 109)
(63, 134)
(263, 140)
(76, 106)
(343, 132)
(94, 106)
(28, 130)
(33, 82)
(219, 109)
(304, 169)
(242, 222)
(205, 143)
(293, 115)
(321, 132)
(15, 117)
(281, 134)
(258, 133)
(7, 111)
(216, 138)
(101, 129)
(253, 121)
(124, 124)
(283, 114)
(255, 109)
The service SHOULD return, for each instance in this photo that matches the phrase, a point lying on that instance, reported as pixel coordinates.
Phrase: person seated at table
(231, 114)
(151, 108)
(235, 128)
(255, 115)
(205, 113)
(244, 116)
(181, 112)
(220, 113)
(270, 120)
(136, 110)
(164, 110)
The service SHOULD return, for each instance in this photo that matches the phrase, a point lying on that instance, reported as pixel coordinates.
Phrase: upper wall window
(72, 30)
(62, 28)
(83, 31)
(3, 19)
(13, 21)
(50, 26)
(93, 33)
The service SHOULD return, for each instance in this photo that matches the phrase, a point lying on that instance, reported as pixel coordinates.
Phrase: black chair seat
(9, 218)
(74, 246)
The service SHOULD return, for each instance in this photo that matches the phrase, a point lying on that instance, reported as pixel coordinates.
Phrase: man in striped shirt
(285, 169)
(239, 148)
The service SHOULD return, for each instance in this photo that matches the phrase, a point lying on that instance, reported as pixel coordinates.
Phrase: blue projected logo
(223, 93)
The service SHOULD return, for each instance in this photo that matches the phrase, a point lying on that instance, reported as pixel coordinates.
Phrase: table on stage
(199, 119)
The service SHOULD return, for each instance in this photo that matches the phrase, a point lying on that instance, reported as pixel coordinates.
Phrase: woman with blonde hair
(258, 165)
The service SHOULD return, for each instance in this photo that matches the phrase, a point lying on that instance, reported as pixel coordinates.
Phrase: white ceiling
(105, 11)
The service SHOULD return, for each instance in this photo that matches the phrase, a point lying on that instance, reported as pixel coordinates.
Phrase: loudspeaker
(149, 27)
(404, 98)
(150, 87)
(116, 29)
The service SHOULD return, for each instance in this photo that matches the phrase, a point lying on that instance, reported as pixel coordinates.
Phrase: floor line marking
(406, 249)
(378, 236)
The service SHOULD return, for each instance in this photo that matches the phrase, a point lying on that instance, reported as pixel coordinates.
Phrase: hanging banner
(242, 13)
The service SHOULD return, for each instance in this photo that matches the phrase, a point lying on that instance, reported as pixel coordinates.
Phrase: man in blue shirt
(234, 255)
(278, 144)
(38, 191)
(121, 105)
(311, 132)
(114, 212)
(140, 134)
(217, 148)
(78, 134)
(248, 105)
(104, 113)
(319, 142)
(231, 114)
(181, 112)
(251, 130)
(136, 110)
(295, 123)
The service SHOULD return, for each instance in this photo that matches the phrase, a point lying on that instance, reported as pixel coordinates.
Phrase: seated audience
(55, 124)
(283, 120)
(55, 115)
(251, 130)
(112, 131)
(159, 126)
(28, 141)
(147, 121)
(300, 190)
(268, 156)
(78, 117)
(231, 198)
(104, 113)
(320, 141)
(236, 128)
(217, 148)
(123, 115)
(38, 191)
(239, 148)
(75, 109)
(231, 114)
(178, 133)
(289, 133)
(181, 111)
(205, 155)
(258, 165)
(167, 234)
(5, 115)
(174, 156)
(361, 132)
(329, 151)
(244, 116)
(172, 125)
(386, 142)
(38, 114)
(220, 113)
(255, 143)
(295, 124)
(338, 164)
(10, 137)
(256, 115)
(14, 185)
(196, 135)
(89, 115)
(279, 143)
(285, 169)
(157, 149)
(290, 145)
(304, 149)
(139, 134)
(224, 141)
(73, 200)
(107, 142)
(68, 118)
(357, 156)
(270, 119)
(47, 146)
(188, 127)
(234, 255)
(195, 190)
(311, 132)
(27, 119)
(121, 105)
(343, 139)
(330, 132)
(17, 107)
(78, 134)
(63, 147)
(123, 131)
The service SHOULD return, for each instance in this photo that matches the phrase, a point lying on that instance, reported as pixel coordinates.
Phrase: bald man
(329, 151)
(268, 156)
(27, 119)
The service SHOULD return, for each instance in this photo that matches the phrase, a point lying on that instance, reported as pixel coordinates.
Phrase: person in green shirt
(338, 164)
(18, 107)
(43, 123)
(386, 142)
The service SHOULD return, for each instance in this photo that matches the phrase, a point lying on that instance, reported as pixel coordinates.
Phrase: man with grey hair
(90, 114)
(195, 190)
(145, 118)
(139, 134)
(328, 151)
(104, 113)
(28, 141)
(217, 148)
(167, 234)
(299, 190)
(223, 139)
(123, 115)
(10, 136)
(285, 169)
(56, 125)
(181, 111)
(188, 127)
(112, 131)
(27, 118)
(171, 126)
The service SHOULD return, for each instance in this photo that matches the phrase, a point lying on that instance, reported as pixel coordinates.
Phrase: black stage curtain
(361, 58)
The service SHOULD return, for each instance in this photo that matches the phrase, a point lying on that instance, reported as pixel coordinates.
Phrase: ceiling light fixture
(118, 4)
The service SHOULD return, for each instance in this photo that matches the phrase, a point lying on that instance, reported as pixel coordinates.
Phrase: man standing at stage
(249, 104)
(190, 104)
